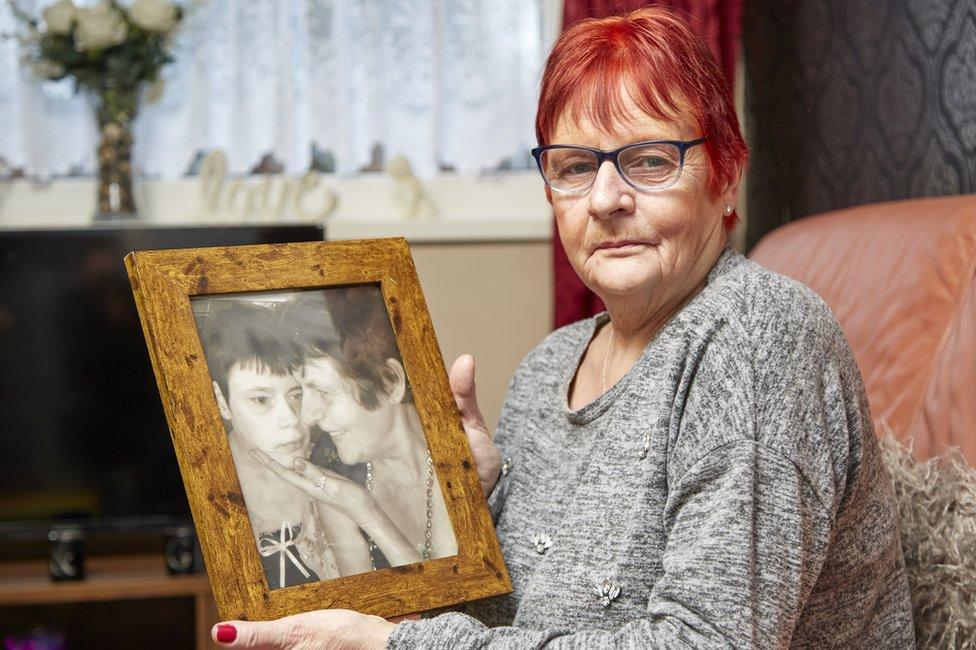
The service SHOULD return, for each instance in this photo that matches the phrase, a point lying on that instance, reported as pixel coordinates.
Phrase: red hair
(666, 70)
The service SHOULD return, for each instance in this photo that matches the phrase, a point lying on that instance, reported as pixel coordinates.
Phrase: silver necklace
(425, 553)
(606, 357)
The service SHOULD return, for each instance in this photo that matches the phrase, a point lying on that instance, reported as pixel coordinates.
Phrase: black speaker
(181, 551)
(67, 560)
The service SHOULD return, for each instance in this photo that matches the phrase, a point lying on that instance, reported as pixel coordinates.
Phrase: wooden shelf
(135, 577)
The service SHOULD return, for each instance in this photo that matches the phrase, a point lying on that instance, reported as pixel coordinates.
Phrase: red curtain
(719, 22)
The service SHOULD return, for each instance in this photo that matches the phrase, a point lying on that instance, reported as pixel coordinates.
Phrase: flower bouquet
(110, 51)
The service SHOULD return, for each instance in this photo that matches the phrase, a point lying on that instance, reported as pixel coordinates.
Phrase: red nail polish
(226, 633)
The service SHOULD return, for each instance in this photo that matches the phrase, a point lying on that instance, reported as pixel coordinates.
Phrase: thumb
(260, 635)
(462, 385)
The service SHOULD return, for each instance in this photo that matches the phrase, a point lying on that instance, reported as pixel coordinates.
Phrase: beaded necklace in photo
(425, 552)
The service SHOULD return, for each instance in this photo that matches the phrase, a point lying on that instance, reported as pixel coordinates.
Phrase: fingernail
(226, 633)
(299, 464)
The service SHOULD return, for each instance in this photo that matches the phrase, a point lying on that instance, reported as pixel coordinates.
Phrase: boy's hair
(244, 333)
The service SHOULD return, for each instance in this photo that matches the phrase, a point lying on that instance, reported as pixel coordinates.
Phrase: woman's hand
(328, 629)
(336, 491)
(487, 458)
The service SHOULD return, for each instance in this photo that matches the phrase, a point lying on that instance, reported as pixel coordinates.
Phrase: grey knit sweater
(727, 492)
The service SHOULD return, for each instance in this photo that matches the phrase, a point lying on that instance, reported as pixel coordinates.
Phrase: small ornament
(606, 591)
(506, 466)
(646, 445)
(410, 200)
(542, 542)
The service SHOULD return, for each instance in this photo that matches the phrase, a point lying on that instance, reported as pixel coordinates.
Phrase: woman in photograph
(355, 390)
(696, 467)
(260, 402)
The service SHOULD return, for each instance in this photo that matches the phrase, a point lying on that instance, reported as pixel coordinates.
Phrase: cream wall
(491, 300)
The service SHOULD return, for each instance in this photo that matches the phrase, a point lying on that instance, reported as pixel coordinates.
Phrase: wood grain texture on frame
(163, 283)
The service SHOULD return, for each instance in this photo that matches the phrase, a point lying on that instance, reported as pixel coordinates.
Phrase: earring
(728, 209)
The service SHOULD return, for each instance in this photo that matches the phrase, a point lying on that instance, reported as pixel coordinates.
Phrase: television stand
(113, 586)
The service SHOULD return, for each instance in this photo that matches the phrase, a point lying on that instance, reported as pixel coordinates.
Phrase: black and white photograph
(332, 459)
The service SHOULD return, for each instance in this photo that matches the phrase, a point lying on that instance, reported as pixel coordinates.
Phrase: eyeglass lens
(649, 166)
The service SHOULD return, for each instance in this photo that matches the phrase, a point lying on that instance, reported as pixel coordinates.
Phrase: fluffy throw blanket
(937, 510)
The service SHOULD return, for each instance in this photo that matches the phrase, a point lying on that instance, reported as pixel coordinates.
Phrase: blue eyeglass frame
(603, 155)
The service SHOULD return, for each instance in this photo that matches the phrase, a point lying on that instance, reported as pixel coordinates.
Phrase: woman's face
(624, 243)
(329, 402)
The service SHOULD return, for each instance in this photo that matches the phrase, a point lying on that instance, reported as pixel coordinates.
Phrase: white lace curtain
(444, 82)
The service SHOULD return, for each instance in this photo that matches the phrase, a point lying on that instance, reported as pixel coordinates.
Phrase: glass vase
(115, 106)
(116, 200)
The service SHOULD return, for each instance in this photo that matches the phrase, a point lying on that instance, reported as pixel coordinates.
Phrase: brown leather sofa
(899, 276)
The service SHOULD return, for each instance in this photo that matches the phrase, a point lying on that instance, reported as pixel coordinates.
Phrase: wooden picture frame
(166, 284)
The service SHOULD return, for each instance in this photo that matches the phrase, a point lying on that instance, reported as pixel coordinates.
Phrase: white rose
(153, 15)
(59, 17)
(99, 27)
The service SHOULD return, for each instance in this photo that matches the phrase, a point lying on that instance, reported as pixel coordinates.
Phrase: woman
(355, 391)
(697, 466)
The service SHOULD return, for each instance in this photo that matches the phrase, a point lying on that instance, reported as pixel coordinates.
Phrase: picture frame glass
(330, 453)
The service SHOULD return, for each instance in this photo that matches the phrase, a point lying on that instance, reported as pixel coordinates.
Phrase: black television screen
(82, 428)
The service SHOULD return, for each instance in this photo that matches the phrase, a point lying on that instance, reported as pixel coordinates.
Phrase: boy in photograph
(260, 402)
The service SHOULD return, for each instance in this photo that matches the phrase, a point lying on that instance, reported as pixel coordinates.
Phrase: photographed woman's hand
(350, 499)
(487, 458)
(328, 487)
(328, 629)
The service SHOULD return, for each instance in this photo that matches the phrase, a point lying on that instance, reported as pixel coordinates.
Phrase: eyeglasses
(651, 165)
